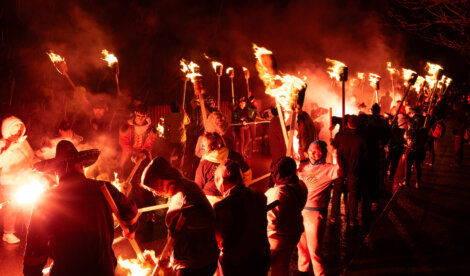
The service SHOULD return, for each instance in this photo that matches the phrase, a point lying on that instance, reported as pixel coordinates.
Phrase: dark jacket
(241, 226)
(351, 149)
(73, 225)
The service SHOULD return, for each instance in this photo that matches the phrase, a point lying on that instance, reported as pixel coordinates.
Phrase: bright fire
(419, 83)
(433, 72)
(246, 72)
(218, 67)
(230, 72)
(116, 183)
(191, 69)
(407, 73)
(284, 88)
(374, 80)
(54, 57)
(448, 81)
(390, 69)
(335, 69)
(136, 267)
(360, 76)
(160, 127)
(109, 57)
(29, 193)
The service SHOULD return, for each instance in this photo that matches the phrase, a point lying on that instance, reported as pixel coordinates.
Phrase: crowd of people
(216, 222)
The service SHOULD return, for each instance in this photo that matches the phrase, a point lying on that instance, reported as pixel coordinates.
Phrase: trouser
(309, 247)
(281, 253)
(339, 188)
(11, 210)
(244, 135)
(458, 149)
(415, 157)
(392, 161)
(350, 188)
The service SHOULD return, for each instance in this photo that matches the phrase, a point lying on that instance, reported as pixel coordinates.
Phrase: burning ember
(116, 183)
(374, 80)
(448, 81)
(191, 70)
(336, 69)
(419, 83)
(109, 57)
(433, 72)
(57, 60)
(29, 193)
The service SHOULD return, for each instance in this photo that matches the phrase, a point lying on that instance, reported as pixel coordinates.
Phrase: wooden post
(283, 123)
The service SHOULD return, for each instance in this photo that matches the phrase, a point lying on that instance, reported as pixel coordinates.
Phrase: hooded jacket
(15, 156)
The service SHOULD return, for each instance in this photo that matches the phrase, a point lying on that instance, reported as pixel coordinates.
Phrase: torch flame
(230, 72)
(360, 76)
(160, 128)
(374, 79)
(419, 83)
(433, 71)
(109, 57)
(191, 69)
(390, 69)
(216, 65)
(335, 69)
(116, 183)
(448, 81)
(246, 72)
(407, 73)
(29, 193)
(54, 57)
(136, 267)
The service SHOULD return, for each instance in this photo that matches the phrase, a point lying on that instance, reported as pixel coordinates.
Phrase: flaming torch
(219, 69)
(410, 82)
(360, 76)
(392, 72)
(29, 193)
(60, 66)
(246, 72)
(184, 69)
(231, 74)
(192, 73)
(339, 71)
(112, 60)
(374, 80)
(289, 91)
(434, 73)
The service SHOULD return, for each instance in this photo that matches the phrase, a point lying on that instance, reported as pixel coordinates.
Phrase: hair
(232, 171)
(353, 121)
(375, 109)
(159, 168)
(140, 108)
(217, 122)
(214, 141)
(283, 170)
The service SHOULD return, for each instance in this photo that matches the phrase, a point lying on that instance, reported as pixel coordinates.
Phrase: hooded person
(240, 224)
(216, 152)
(285, 222)
(72, 222)
(318, 176)
(16, 160)
(190, 220)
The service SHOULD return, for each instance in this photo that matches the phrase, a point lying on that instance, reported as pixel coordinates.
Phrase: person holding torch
(16, 157)
(72, 222)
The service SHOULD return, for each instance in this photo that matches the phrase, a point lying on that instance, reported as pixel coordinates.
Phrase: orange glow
(160, 128)
(360, 76)
(135, 267)
(335, 69)
(54, 57)
(246, 72)
(433, 71)
(29, 193)
(218, 67)
(407, 73)
(448, 81)
(230, 72)
(116, 183)
(390, 69)
(374, 79)
(109, 57)
(419, 83)
(191, 69)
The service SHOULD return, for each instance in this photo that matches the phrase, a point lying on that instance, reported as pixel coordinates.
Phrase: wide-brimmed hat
(66, 153)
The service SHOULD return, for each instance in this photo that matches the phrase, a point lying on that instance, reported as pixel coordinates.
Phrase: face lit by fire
(315, 153)
(139, 118)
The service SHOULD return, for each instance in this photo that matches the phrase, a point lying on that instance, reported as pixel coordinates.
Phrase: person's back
(350, 146)
(241, 225)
